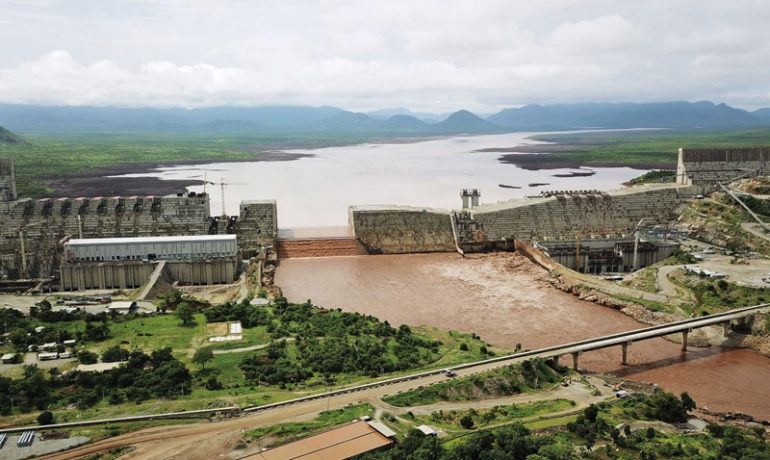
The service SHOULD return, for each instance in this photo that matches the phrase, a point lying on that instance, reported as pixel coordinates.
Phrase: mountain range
(386, 122)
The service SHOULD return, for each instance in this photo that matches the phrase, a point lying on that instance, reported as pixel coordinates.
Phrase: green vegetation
(57, 155)
(659, 147)
(527, 376)
(654, 177)
(591, 434)
(722, 295)
(472, 418)
(303, 348)
(286, 432)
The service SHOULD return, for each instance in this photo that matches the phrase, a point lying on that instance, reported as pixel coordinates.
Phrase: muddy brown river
(507, 300)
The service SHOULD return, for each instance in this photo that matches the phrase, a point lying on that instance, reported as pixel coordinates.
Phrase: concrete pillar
(121, 274)
(209, 273)
(81, 279)
(685, 333)
(575, 357)
(624, 348)
(102, 282)
(726, 328)
(556, 361)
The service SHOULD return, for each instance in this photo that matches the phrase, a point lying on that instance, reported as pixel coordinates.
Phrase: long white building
(150, 248)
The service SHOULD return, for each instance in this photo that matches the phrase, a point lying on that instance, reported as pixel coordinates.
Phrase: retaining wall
(401, 229)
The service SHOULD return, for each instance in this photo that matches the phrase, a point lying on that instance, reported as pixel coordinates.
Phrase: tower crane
(222, 184)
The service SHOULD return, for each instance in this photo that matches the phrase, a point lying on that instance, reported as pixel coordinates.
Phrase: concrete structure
(31, 231)
(130, 274)
(150, 248)
(704, 168)
(402, 229)
(7, 180)
(336, 444)
(603, 255)
(558, 215)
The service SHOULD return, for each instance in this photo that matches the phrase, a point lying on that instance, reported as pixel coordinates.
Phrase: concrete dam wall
(31, 231)
(704, 168)
(401, 229)
(565, 215)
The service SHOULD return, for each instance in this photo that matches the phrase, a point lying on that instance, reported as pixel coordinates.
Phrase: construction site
(35, 232)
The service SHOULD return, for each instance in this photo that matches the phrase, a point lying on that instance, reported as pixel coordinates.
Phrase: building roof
(122, 305)
(384, 430)
(426, 430)
(337, 444)
(150, 239)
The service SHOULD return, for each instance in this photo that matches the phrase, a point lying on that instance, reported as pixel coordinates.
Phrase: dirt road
(219, 439)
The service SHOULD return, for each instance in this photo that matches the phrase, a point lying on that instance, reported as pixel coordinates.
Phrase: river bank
(507, 299)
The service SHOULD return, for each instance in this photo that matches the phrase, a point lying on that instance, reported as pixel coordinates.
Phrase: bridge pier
(555, 361)
(624, 348)
(685, 333)
(725, 328)
(575, 357)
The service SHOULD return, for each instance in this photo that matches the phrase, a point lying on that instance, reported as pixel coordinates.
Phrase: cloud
(364, 55)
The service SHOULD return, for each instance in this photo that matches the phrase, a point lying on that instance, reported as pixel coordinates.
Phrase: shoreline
(99, 183)
(546, 156)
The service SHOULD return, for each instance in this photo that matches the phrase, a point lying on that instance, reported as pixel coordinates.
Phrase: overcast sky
(438, 56)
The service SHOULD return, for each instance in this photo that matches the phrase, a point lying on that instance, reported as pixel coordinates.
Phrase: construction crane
(222, 184)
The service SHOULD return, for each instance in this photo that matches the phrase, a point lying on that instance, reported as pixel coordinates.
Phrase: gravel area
(11, 452)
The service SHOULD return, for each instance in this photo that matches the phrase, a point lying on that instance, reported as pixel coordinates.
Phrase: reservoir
(317, 187)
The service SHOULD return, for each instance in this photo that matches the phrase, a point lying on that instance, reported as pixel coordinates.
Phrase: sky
(433, 56)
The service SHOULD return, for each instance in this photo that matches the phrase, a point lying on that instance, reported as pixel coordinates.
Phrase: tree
(87, 357)
(114, 355)
(687, 402)
(467, 422)
(202, 356)
(185, 314)
(45, 417)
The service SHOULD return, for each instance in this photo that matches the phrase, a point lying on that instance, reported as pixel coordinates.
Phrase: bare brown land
(534, 157)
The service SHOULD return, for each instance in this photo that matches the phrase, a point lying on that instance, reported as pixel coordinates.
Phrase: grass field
(148, 333)
(285, 432)
(597, 148)
(56, 155)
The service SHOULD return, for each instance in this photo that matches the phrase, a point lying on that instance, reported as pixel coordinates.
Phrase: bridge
(622, 339)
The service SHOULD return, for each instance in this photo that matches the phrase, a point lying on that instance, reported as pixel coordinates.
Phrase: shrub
(467, 422)
(45, 417)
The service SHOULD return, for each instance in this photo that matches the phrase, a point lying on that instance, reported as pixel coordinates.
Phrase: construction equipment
(222, 184)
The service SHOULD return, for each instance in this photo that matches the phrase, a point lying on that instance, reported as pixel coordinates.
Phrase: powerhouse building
(128, 263)
(151, 248)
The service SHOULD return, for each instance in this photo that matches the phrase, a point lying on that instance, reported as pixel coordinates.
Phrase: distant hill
(702, 114)
(9, 138)
(384, 114)
(465, 122)
(291, 120)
